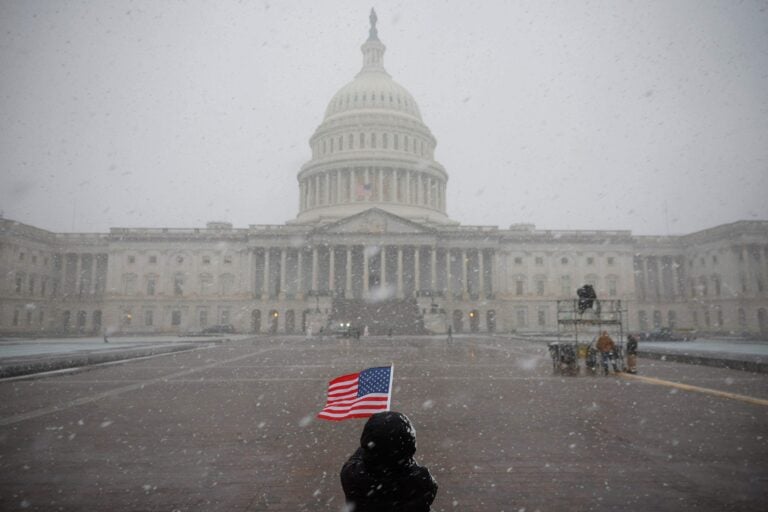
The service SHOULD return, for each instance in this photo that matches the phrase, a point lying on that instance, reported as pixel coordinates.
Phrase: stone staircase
(382, 318)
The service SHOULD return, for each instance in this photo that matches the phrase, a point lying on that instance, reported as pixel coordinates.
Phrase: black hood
(388, 439)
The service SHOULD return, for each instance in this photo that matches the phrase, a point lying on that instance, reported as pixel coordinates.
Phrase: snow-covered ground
(13, 348)
(724, 346)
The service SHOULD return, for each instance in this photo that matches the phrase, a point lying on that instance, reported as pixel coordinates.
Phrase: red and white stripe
(343, 402)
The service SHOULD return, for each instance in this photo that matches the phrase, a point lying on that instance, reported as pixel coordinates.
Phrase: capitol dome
(372, 150)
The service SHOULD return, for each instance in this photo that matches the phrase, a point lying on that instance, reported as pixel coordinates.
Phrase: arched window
(351, 141)
(341, 143)
(385, 140)
(206, 283)
(373, 140)
(362, 140)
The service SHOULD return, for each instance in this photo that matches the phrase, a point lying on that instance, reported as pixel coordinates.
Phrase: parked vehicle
(666, 334)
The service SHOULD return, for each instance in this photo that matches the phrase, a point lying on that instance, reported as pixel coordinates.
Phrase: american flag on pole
(364, 191)
(358, 395)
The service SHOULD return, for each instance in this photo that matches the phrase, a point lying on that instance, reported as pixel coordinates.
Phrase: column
(481, 268)
(465, 284)
(265, 290)
(433, 269)
(339, 187)
(314, 269)
(331, 269)
(407, 187)
(646, 280)
(448, 272)
(92, 277)
(282, 270)
(383, 262)
(365, 272)
(396, 185)
(252, 274)
(399, 272)
(351, 186)
(300, 273)
(348, 287)
(416, 269)
(327, 179)
(381, 184)
(367, 180)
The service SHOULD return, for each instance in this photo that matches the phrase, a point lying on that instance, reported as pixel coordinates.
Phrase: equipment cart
(577, 329)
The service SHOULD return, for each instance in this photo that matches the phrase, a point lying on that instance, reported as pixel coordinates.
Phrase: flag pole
(391, 377)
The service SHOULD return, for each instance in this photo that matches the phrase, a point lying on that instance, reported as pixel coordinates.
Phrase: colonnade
(81, 274)
(386, 271)
(372, 184)
(658, 277)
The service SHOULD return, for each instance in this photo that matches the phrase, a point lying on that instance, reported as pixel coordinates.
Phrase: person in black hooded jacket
(382, 474)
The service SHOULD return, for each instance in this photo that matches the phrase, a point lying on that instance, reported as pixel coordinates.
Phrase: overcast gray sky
(569, 115)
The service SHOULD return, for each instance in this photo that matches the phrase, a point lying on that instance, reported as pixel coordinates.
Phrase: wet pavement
(231, 427)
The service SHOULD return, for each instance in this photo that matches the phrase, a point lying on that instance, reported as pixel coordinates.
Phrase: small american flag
(358, 395)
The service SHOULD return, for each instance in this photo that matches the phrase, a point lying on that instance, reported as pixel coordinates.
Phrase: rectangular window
(590, 260)
(203, 318)
(131, 259)
(34, 259)
(148, 317)
(542, 318)
(540, 287)
(518, 261)
(224, 316)
(521, 318)
(153, 259)
(539, 260)
(178, 285)
(611, 261)
(151, 286)
(228, 260)
(176, 318)
(206, 260)
(518, 287)
(19, 283)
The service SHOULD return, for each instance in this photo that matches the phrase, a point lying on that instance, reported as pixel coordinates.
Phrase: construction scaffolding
(579, 324)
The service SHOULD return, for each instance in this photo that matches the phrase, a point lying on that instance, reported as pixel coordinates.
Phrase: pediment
(375, 221)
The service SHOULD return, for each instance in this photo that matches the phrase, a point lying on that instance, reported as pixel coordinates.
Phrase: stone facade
(372, 227)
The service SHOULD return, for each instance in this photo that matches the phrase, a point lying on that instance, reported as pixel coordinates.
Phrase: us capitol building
(372, 245)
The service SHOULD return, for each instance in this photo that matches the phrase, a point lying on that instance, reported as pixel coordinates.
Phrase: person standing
(632, 353)
(382, 474)
(607, 348)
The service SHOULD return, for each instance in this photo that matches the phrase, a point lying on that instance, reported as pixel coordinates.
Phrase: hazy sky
(568, 115)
